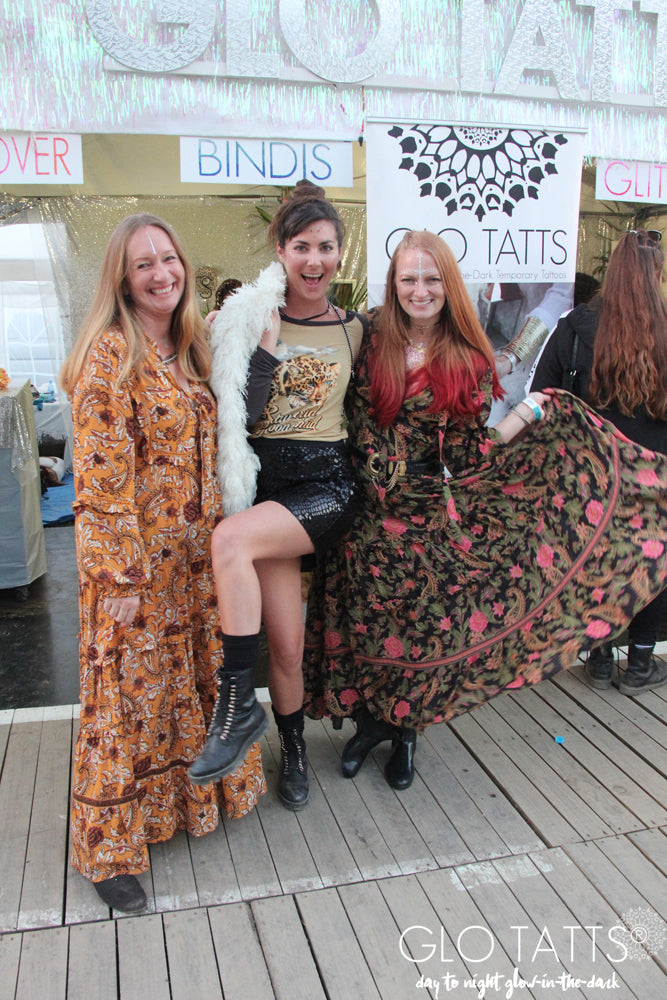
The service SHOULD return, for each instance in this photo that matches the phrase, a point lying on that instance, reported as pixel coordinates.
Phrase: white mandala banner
(505, 198)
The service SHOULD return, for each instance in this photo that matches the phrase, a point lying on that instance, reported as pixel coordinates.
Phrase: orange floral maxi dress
(147, 499)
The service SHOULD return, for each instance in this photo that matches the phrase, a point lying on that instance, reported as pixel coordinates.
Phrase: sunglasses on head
(653, 234)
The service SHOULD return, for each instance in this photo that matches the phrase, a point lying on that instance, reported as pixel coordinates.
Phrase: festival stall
(528, 132)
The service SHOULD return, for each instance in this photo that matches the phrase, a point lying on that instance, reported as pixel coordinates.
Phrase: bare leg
(282, 613)
(265, 532)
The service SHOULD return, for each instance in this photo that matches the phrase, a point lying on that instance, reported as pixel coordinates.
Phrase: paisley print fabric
(147, 500)
(450, 589)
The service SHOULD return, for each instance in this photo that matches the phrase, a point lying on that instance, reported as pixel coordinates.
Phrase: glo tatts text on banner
(265, 161)
(40, 158)
(505, 198)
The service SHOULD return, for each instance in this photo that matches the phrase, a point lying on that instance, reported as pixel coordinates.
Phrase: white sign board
(280, 162)
(40, 158)
(505, 199)
(631, 180)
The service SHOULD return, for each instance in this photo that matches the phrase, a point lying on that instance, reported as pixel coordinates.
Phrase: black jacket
(555, 364)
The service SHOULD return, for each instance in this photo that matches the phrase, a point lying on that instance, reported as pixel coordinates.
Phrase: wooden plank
(623, 716)
(648, 806)
(16, 794)
(213, 869)
(552, 826)
(327, 845)
(510, 925)
(253, 864)
(339, 958)
(174, 883)
(645, 877)
(580, 740)
(92, 968)
(234, 934)
(515, 832)
(286, 950)
(289, 849)
(10, 954)
(420, 931)
(572, 789)
(529, 716)
(652, 843)
(607, 791)
(43, 965)
(44, 876)
(393, 818)
(466, 927)
(142, 959)
(379, 936)
(553, 920)
(476, 834)
(366, 844)
(619, 892)
(193, 970)
(596, 925)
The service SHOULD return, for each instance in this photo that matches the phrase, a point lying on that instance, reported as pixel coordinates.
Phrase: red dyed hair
(459, 355)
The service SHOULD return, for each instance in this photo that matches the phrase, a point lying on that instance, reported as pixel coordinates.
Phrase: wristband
(535, 407)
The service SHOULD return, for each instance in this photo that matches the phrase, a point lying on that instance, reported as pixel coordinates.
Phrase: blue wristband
(535, 407)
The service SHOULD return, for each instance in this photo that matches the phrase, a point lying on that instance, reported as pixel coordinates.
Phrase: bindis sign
(40, 158)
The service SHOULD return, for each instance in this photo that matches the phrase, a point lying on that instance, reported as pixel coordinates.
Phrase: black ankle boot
(238, 722)
(122, 892)
(293, 788)
(643, 672)
(599, 667)
(370, 732)
(400, 768)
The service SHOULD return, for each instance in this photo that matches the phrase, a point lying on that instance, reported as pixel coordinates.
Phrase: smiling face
(419, 286)
(155, 277)
(310, 260)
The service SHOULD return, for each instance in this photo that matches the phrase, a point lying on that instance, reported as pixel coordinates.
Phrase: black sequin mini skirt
(312, 479)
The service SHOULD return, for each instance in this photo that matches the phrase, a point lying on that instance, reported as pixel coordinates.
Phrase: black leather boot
(238, 722)
(599, 667)
(370, 732)
(643, 672)
(293, 787)
(400, 768)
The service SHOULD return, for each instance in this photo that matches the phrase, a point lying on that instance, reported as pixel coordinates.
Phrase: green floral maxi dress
(451, 588)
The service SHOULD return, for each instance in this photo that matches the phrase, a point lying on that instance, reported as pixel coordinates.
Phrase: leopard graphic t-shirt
(309, 384)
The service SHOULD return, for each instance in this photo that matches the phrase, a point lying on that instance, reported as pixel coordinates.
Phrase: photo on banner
(505, 199)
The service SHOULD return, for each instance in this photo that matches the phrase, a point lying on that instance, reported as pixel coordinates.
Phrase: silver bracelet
(517, 414)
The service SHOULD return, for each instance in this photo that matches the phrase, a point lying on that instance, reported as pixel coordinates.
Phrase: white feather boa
(235, 334)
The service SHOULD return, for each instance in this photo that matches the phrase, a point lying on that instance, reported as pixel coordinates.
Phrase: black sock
(240, 652)
(292, 721)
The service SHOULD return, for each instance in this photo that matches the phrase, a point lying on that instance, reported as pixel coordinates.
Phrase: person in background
(481, 558)
(613, 354)
(283, 358)
(147, 500)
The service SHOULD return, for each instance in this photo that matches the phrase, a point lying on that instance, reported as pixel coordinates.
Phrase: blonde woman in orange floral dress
(147, 499)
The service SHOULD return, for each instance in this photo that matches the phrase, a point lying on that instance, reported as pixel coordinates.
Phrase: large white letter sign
(539, 16)
(197, 15)
(240, 58)
(336, 64)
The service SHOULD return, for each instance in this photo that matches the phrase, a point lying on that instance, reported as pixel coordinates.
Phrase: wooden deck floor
(514, 866)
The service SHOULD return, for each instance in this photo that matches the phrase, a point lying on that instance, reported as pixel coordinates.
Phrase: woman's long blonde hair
(112, 307)
(460, 352)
